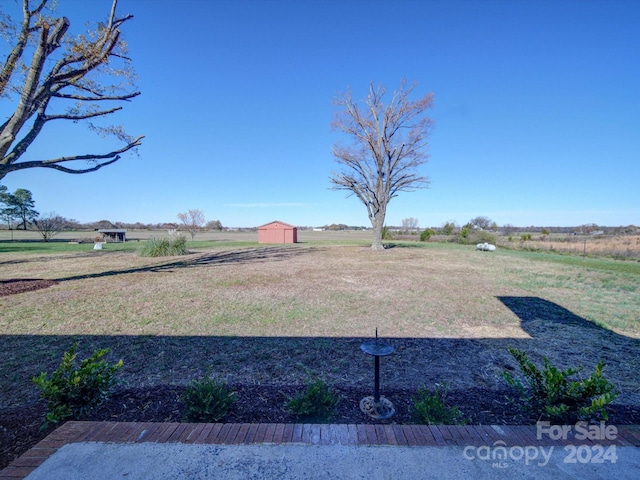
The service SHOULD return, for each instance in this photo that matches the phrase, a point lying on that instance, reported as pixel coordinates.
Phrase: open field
(265, 313)
(614, 246)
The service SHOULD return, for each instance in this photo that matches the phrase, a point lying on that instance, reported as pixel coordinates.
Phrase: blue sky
(537, 111)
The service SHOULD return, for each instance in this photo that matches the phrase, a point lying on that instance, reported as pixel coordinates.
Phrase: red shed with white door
(277, 232)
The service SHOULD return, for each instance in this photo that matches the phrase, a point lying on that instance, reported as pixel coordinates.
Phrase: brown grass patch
(615, 246)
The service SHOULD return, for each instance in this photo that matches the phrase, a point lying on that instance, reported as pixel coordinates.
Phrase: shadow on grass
(535, 312)
(241, 256)
(567, 339)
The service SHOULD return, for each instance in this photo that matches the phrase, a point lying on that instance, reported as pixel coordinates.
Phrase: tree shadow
(534, 312)
(242, 256)
(570, 340)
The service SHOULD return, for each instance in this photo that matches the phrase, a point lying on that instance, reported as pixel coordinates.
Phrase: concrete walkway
(109, 450)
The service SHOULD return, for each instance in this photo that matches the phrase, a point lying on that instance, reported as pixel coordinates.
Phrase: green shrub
(431, 409)
(484, 237)
(525, 236)
(207, 400)
(73, 391)
(426, 234)
(550, 394)
(473, 238)
(463, 234)
(164, 247)
(386, 233)
(317, 401)
(448, 228)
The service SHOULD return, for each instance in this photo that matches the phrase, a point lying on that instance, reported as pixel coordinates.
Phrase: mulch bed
(11, 287)
(20, 427)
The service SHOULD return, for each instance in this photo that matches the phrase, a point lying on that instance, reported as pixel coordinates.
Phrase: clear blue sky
(537, 111)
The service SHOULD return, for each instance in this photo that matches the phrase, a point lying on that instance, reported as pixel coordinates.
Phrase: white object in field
(487, 247)
(97, 246)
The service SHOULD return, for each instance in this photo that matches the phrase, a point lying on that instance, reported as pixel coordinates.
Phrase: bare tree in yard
(50, 224)
(388, 144)
(193, 221)
(51, 76)
(409, 224)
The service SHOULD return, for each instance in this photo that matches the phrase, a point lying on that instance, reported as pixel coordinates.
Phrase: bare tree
(47, 69)
(50, 224)
(508, 229)
(193, 221)
(409, 224)
(388, 144)
(482, 222)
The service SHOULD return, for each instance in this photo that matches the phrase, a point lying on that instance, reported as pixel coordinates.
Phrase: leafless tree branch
(68, 79)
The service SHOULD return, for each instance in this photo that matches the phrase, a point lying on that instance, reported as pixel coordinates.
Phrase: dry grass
(618, 246)
(265, 314)
(281, 291)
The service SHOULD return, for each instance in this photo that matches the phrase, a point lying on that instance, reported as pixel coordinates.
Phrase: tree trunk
(378, 223)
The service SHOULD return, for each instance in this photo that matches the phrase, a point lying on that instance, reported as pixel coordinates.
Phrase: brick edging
(286, 433)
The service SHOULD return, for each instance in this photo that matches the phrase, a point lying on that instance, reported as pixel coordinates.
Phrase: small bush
(164, 247)
(386, 233)
(316, 402)
(431, 409)
(550, 394)
(463, 234)
(207, 400)
(72, 391)
(448, 228)
(426, 234)
(525, 236)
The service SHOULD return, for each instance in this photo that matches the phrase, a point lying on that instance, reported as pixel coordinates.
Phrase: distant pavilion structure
(113, 234)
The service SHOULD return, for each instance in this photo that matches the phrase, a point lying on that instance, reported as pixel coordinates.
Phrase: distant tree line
(340, 226)
(17, 212)
(485, 224)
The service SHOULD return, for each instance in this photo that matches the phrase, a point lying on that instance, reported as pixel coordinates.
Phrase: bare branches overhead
(51, 75)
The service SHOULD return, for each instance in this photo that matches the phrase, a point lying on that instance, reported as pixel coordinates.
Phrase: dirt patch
(12, 287)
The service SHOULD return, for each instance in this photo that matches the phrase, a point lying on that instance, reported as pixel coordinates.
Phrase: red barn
(277, 232)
